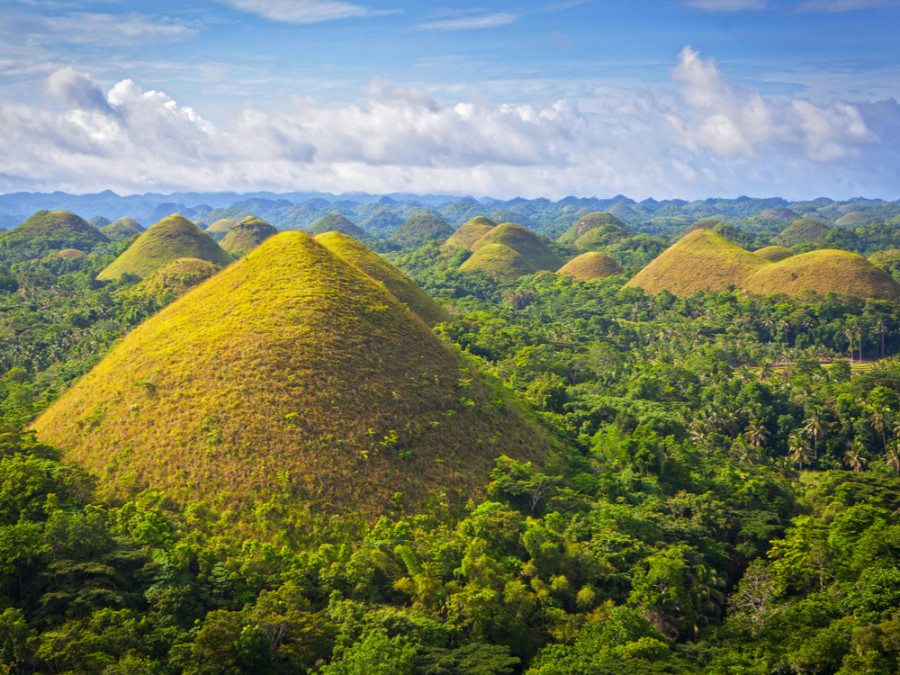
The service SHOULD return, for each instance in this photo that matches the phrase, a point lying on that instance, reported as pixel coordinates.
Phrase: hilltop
(604, 229)
(50, 230)
(499, 262)
(373, 265)
(420, 229)
(175, 279)
(335, 222)
(774, 253)
(171, 238)
(469, 232)
(591, 265)
(288, 389)
(801, 231)
(123, 228)
(825, 271)
(701, 260)
(219, 228)
(247, 235)
(525, 242)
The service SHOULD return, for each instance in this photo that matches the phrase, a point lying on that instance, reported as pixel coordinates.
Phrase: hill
(420, 229)
(247, 235)
(802, 231)
(591, 265)
(469, 232)
(219, 228)
(123, 228)
(888, 260)
(499, 262)
(780, 213)
(287, 389)
(825, 271)
(373, 265)
(335, 222)
(175, 279)
(524, 242)
(171, 238)
(612, 228)
(855, 219)
(774, 253)
(701, 260)
(50, 230)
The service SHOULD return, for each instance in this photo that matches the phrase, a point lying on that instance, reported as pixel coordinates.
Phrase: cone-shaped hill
(701, 260)
(287, 387)
(420, 229)
(499, 262)
(121, 229)
(468, 233)
(524, 242)
(373, 265)
(247, 235)
(802, 231)
(774, 253)
(176, 279)
(335, 222)
(590, 265)
(171, 238)
(609, 230)
(49, 230)
(218, 229)
(855, 219)
(825, 271)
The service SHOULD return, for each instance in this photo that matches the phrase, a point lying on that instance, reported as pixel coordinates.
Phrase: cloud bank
(702, 136)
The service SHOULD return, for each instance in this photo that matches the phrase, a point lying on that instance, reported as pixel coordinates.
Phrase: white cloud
(303, 11)
(704, 136)
(727, 5)
(474, 22)
(108, 30)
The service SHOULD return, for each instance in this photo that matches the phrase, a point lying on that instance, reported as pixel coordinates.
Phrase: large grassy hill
(123, 228)
(421, 228)
(591, 265)
(335, 222)
(701, 260)
(774, 253)
(823, 272)
(288, 387)
(469, 232)
(612, 230)
(398, 284)
(247, 235)
(525, 242)
(49, 230)
(802, 231)
(171, 238)
(499, 262)
(175, 279)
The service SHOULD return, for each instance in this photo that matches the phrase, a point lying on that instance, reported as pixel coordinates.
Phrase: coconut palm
(855, 458)
(798, 448)
(892, 455)
(815, 427)
(756, 433)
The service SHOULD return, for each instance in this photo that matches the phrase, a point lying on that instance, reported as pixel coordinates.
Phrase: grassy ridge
(176, 279)
(499, 262)
(398, 284)
(801, 231)
(591, 265)
(468, 233)
(611, 227)
(335, 222)
(525, 242)
(420, 229)
(171, 238)
(247, 235)
(123, 228)
(289, 377)
(774, 253)
(701, 260)
(48, 230)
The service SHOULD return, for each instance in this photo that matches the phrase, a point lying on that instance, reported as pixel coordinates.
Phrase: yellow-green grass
(221, 227)
(701, 260)
(420, 229)
(121, 229)
(499, 262)
(591, 265)
(802, 231)
(525, 242)
(335, 222)
(70, 254)
(774, 253)
(823, 272)
(247, 235)
(169, 239)
(468, 233)
(290, 380)
(176, 279)
(596, 219)
(398, 284)
(56, 229)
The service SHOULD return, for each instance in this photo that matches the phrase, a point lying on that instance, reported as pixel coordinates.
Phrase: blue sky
(662, 98)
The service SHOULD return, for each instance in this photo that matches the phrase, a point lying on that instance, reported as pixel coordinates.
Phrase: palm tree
(880, 419)
(892, 456)
(855, 458)
(815, 426)
(798, 448)
(756, 433)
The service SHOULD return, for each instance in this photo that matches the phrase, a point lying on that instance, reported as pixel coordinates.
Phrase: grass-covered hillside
(121, 229)
(247, 235)
(290, 383)
(175, 279)
(525, 242)
(220, 227)
(610, 229)
(169, 239)
(591, 265)
(801, 231)
(335, 222)
(469, 232)
(774, 253)
(50, 230)
(421, 228)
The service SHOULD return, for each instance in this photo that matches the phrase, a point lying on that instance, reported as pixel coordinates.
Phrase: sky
(659, 98)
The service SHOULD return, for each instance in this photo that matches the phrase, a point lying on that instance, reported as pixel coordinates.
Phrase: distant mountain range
(381, 215)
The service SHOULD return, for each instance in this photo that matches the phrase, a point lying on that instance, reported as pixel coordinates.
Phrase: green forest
(720, 493)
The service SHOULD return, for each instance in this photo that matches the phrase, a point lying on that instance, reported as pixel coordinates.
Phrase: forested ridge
(725, 498)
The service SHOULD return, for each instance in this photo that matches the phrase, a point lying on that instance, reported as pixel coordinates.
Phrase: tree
(815, 426)
(799, 448)
(855, 457)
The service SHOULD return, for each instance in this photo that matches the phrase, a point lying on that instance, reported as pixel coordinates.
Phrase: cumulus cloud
(705, 135)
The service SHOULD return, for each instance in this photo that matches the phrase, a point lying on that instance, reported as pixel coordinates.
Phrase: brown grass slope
(289, 378)
(169, 239)
(499, 262)
(247, 235)
(701, 260)
(591, 265)
(822, 272)
(524, 242)
(469, 232)
(802, 231)
(398, 284)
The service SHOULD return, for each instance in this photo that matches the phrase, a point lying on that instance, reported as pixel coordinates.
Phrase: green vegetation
(609, 230)
(774, 253)
(123, 228)
(169, 239)
(802, 231)
(498, 262)
(175, 279)
(526, 243)
(335, 222)
(469, 232)
(47, 231)
(854, 219)
(219, 228)
(246, 236)
(591, 265)
(420, 229)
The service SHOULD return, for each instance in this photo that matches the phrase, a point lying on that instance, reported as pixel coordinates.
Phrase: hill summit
(335, 222)
(52, 230)
(288, 387)
(169, 239)
(508, 251)
(247, 235)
